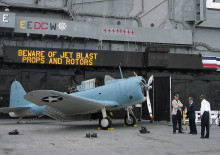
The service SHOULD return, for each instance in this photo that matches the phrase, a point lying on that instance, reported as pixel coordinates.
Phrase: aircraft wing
(65, 103)
(16, 109)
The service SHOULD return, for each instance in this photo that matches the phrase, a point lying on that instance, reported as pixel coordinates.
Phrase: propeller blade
(151, 79)
(147, 88)
(149, 105)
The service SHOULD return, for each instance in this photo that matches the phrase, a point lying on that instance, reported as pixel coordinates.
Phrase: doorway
(161, 98)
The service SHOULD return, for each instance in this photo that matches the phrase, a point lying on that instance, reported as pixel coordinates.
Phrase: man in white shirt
(204, 114)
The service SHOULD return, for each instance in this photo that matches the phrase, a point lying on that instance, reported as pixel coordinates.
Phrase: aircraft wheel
(130, 122)
(105, 123)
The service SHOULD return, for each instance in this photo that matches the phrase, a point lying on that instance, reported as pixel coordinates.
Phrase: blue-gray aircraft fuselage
(87, 99)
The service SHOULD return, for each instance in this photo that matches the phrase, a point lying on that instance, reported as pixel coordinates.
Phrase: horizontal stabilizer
(16, 109)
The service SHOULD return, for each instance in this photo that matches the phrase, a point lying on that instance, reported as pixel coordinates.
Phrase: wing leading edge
(67, 104)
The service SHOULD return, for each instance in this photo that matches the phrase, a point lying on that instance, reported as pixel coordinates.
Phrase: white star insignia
(52, 99)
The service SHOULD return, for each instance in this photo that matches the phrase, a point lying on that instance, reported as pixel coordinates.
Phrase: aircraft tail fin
(17, 95)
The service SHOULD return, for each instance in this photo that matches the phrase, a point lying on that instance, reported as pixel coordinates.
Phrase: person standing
(204, 115)
(191, 115)
(177, 113)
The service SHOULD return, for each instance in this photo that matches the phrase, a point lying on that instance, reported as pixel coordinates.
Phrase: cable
(152, 9)
(102, 25)
(126, 27)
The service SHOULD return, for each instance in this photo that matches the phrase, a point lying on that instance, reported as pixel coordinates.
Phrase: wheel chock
(133, 125)
(108, 128)
(111, 113)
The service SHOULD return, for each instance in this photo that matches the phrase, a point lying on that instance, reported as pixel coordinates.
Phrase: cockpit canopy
(87, 84)
(92, 83)
(108, 79)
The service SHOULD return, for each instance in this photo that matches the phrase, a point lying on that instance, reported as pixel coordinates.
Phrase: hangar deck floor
(51, 137)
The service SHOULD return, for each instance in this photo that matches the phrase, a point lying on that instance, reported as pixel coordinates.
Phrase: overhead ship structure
(58, 44)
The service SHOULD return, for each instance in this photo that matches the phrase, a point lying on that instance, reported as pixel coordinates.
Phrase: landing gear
(130, 119)
(105, 122)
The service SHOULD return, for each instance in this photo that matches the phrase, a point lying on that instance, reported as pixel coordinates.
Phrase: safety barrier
(198, 119)
(213, 117)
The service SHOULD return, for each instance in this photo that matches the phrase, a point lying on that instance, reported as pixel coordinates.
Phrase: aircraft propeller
(147, 88)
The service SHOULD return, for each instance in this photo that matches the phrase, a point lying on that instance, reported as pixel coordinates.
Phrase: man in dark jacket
(191, 115)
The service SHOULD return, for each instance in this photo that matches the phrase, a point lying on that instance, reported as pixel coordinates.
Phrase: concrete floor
(50, 137)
